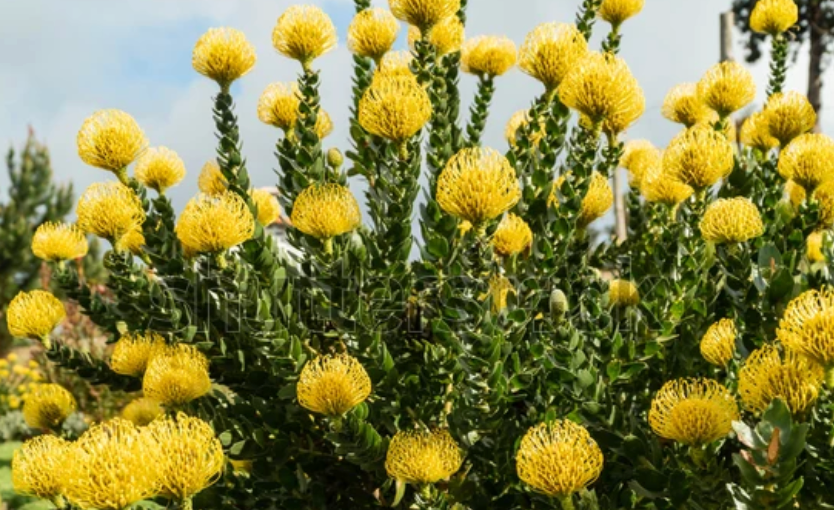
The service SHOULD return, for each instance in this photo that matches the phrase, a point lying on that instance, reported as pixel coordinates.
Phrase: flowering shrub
(500, 368)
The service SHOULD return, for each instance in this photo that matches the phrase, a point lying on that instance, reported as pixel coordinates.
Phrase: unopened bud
(335, 158)
(558, 305)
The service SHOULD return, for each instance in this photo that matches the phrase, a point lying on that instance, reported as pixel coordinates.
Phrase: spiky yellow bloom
(418, 456)
(424, 14)
(773, 16)
(278, 105)
(142, 411)
(796, 194)
(813, 246)
(488, 55)
(114, 465)
(177, 375)
(304, 33)
(512, 236)
(212, 224)
(558, 458)
(824, 195)
(59, 241)
(500, 288)
(159, 169)
(394, 107)
(755, 133)
(658, 186)
(333, 385)
(111, 140)
(638, 158)
(623, 293)
(395, 63)
(519, 120)
(268, 209)
(324, 125)
(133, 351)
(193, 457)
(684, 106)
(550, 51)
(211, 180)
(34, 314)
(808, 160)
(789, 114)
(693, 411)
(446, 36)
(807, 327)
(47, 406)
(326, 210)
(478, 185)
(602, 88)
(767, 375)
(597, 201)
(731, 220)
(133, 242)
(699, 156)
(372, 33)
(616, 12)
(224, 55)
(38, 467)
(727, 87)
(719, 342)
(109, 210)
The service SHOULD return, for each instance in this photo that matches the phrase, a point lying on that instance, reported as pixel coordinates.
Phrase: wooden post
(727, 22)
(619, 207)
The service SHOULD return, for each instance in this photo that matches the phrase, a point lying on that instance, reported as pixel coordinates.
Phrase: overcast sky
(60, 61)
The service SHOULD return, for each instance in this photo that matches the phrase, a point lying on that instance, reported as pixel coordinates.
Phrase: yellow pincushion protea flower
(278, 105)
(657, 186)
(623, 293)
(142, 411)
(512, 236)
(773, 16)
(796, 194)
(488, 55)
(597, 201)
(177, 375)
(109, 210)
(133, 351)
(731, 220)
(211, 180)
(111, 140)
(55, 242)
(616, 12)
(807, 327)
(268, 209)
(333, 385)
(693, 411)
(47, 406)
(193, 457)
(38, 467)
(699, 156)
(372, 33)
(395, 63)
(558, 458)
(718, 345)
(325, 211)
(478, 185)
(500, 288)
(808, 160)
(223, 55)
(550, 51)
(395, 108)
(34, 314)
(727, 87)
(813, 246)
(424, 14)
(419, 456)
(133, 242)
(767, 375)
(684, 106)
(639, 156)
(213, 224)
(304, 33)
(602, 88)
(755, 133)
(519, 120)
(159, 169)
(446, 36)
(824, 195)
(789, 114)
(114, 465)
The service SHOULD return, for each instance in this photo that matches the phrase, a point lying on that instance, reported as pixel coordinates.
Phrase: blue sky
(60, 61)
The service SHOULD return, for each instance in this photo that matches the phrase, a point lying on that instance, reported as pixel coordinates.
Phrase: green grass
(7, 494)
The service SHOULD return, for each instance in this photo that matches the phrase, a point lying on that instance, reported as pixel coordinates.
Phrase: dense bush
(498, 369)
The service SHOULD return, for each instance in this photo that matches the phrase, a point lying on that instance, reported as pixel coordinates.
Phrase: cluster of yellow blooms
(116, 464)
(17, 381)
